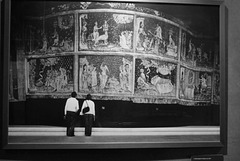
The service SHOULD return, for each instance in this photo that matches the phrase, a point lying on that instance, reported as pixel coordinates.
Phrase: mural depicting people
(50, 76)
(204, 86)
(62, 36)
(85, 77)
(95, 32)
(125, 76)
(198, 51)
(162, 85)
(157, 39)
(107, 31)
(123, 41)
(141, 36)
(191, 55)
(122, 77)
(171, 47)
(44, 43)
(187, 84)
(155, 78)
(57, 35)
(142, 81)
(111, 72)
(55, 38)
(204, 54)
(94, 77)
(203, 83)
(103, 76)
(103, 37)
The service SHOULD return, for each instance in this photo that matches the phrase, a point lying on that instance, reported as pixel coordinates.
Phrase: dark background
(202, 19)
(114, 114)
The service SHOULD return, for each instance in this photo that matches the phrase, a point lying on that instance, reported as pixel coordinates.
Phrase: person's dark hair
(89, 97)
(73, 94)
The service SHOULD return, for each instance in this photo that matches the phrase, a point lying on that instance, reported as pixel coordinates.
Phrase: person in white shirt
(89, 116)
(71, 108)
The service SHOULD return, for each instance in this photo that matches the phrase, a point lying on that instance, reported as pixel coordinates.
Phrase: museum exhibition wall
(116, 52)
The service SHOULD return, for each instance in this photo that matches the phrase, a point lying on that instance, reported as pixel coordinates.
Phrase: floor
(20, 137)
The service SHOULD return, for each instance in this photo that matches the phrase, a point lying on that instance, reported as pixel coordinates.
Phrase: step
(99, 131)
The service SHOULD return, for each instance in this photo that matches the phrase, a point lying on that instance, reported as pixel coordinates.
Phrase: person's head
(74, 94)
(89, 97)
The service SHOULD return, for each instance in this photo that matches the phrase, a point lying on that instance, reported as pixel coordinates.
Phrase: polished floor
(45, 137)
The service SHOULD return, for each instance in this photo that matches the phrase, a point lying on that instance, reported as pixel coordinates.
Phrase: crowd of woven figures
(56, 35)
(105, 74)
(114, 74)
(115, 32)
(51, 74)
(156, 37)
(195, 85)
(199, 51)
(155, 78)
(108, 31)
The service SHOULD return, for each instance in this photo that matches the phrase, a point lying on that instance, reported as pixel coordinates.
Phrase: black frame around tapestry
(132, 90)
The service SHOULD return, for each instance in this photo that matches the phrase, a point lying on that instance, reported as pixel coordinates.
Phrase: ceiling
(203, 19)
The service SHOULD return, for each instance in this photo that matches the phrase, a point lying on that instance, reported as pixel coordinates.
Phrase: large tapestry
(120, 51)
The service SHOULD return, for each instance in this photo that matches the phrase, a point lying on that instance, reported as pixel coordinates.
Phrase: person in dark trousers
(89, 115)
(71, 108)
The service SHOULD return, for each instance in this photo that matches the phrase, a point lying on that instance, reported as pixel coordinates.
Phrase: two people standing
(72, 111)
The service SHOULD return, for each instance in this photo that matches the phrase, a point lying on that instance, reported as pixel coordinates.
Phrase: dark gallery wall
(114, 114)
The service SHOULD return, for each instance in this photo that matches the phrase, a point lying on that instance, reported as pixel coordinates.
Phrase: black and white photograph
(119, 77)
